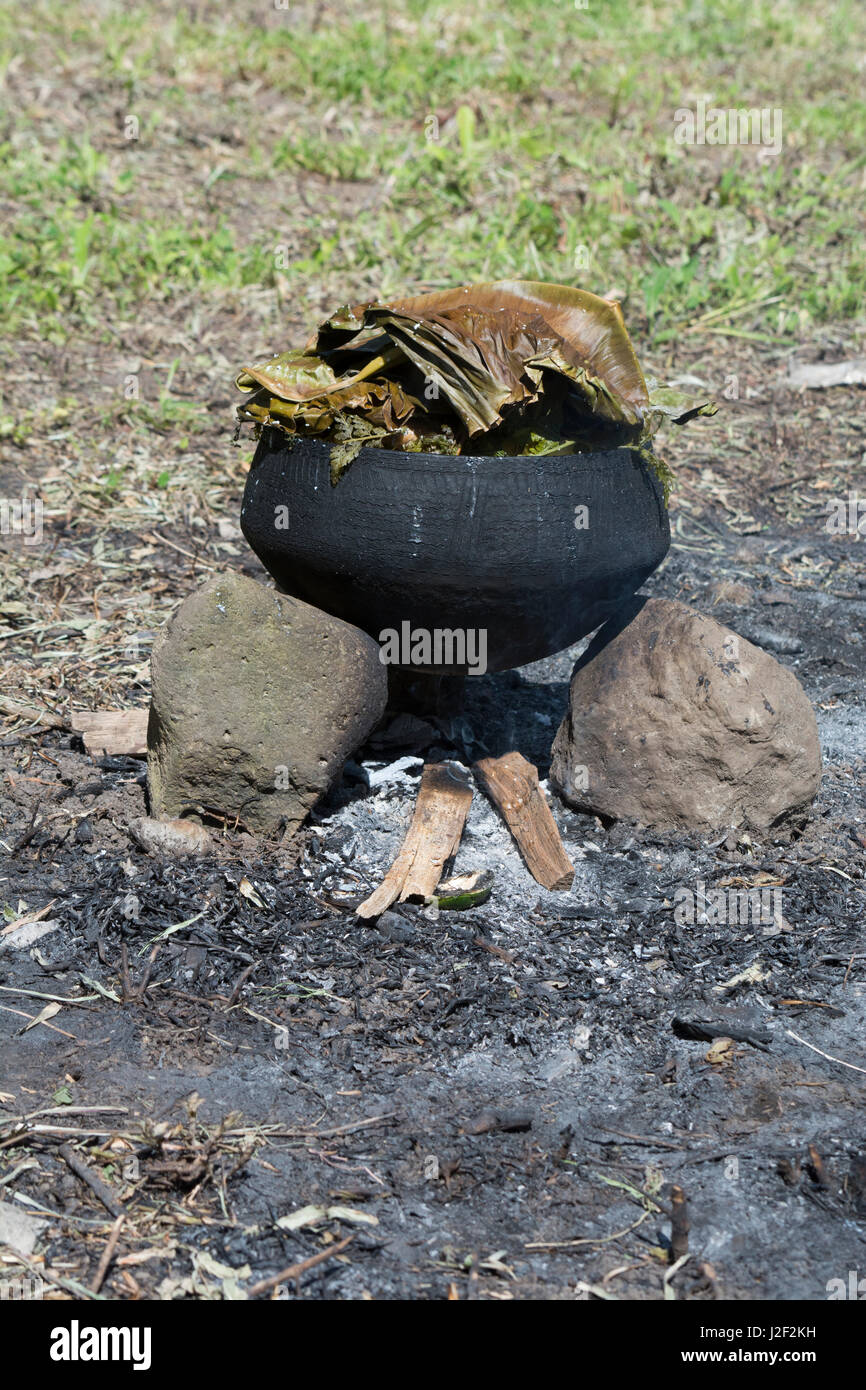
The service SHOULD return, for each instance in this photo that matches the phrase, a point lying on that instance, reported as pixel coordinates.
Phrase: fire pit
(533, 552)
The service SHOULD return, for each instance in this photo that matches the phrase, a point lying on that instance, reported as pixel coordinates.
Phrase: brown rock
(258, 699)
(675, 721)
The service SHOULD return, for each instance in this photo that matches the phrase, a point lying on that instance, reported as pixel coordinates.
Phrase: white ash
(365, 834)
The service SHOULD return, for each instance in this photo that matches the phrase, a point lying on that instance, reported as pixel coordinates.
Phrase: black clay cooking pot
(458, 543)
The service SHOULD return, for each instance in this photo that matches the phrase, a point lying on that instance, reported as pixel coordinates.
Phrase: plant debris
(463, 891)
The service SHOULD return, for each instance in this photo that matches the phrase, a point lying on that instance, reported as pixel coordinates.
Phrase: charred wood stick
(496, 1121)
(34, 826)
(141, 987)
(107, 1254)
(444, 798)
(494, 950)
(132, 993)
(706, 1029)
(342, 1129)
(125, 981)
(295, 1271)
(512, 785)
(240, 982)
(91, 1179)
(679, 1224)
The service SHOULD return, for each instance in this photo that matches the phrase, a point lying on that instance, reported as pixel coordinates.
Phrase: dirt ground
(508, 1103)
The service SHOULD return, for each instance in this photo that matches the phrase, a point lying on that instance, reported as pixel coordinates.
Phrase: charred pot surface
(457, 563)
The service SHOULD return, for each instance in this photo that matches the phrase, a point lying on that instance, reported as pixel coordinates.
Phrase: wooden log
(113, 732)
(444, 798)
(512, 785)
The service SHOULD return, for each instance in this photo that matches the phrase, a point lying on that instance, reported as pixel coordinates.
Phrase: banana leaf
(590, 330)
(513, 366)
(288, 372)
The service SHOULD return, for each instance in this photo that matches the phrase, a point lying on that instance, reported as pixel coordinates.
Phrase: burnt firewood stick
(512, 785)
(92, 1180)
(444, 798)
(679, 1224)
(107, 1254)
(295, 1271)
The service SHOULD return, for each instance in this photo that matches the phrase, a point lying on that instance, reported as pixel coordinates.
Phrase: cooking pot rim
(273, 440)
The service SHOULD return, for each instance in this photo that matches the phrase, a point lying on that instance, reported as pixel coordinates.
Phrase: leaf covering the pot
(510, 367)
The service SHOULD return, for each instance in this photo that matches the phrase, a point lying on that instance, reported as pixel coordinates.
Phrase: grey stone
(677, 722)
(257, 701)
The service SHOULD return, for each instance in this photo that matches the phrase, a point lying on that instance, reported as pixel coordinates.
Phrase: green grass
(554, 158)
(74, 249)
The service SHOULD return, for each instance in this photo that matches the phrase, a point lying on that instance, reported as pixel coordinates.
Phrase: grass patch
(522, 140)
